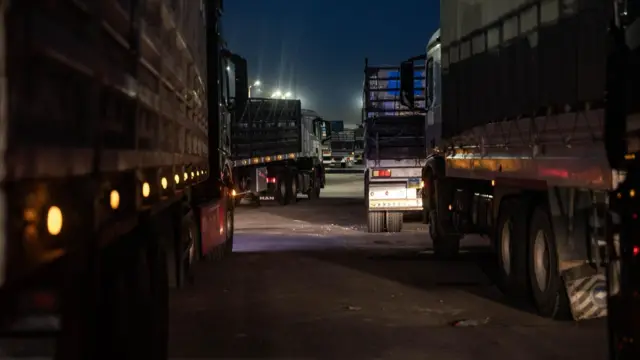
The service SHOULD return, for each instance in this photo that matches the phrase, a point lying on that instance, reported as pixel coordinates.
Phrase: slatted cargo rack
(347, 135)
(397, 137)
(397, 131)
(105, 96)
(381, 93)
(269, 130)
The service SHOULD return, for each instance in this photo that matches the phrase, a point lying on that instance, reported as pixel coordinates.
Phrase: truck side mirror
(327, 126)
(241, 82)
(327, 129)
(407, 91)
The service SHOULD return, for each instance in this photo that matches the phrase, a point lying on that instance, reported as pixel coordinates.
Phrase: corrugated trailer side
(527, 58)
(105, 165)
(523, 90)
(95, 108)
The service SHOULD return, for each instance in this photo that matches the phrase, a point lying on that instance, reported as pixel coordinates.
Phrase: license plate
(414, 183)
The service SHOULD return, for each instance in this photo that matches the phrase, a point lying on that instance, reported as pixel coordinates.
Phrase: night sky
(316, 48)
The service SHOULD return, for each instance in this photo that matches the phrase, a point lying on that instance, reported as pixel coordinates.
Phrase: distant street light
(276, 94)
(255, 84)
(228, 68)
(287, 94)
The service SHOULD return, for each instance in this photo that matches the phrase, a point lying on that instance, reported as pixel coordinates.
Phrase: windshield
(342, 145)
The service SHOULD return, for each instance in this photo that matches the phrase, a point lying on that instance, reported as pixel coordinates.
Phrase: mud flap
(587, 292)
(572, 218)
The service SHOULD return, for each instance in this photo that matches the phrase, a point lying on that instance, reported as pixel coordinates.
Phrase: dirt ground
(307, 282)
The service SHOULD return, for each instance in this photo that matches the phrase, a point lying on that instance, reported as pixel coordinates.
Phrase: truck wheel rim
(505, 247)
(283, 188)
(541, 260)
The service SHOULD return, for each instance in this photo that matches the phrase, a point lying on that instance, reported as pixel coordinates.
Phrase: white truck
(276, 152)
(342, 149)
(515, 110)
(394, 151)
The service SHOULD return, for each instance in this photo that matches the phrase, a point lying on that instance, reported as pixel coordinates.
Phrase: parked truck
(514, 127)
(394, 150)
(112, 182)
(342, 149)
(276, 151)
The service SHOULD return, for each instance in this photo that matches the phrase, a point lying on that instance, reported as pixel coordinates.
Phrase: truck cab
(342, 149)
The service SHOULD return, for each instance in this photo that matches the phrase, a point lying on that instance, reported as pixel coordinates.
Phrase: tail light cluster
(271, 180)
(381, 173)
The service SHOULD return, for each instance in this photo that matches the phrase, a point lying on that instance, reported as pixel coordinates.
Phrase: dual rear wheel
(384, 221)
(286, 189)
(528, 266)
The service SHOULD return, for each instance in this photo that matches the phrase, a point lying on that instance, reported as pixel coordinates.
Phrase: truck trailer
(394, 150)
(276, 151)
(112, 182)
(514, 127)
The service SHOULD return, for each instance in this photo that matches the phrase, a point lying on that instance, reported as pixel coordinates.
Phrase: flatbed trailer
(111, 185)
(515, 117)
(276, 152)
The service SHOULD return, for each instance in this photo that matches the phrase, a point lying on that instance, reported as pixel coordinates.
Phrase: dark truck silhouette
(114, 173)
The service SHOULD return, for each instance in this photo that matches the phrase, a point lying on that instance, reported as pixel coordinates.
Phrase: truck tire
(293, 187)
(229, 229)
(159, 318)
(375, 221)
(134, 302)
(317, 189)
(394, 221)
(189, 242)
(314, 192)
(281, 192)
(445, 246)
(254, 200)
(547, 286)
(511, 249)
(181, 252)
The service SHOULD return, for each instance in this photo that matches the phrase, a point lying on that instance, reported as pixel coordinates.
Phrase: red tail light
(636, 250)
(271, 180)
(381, 173)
